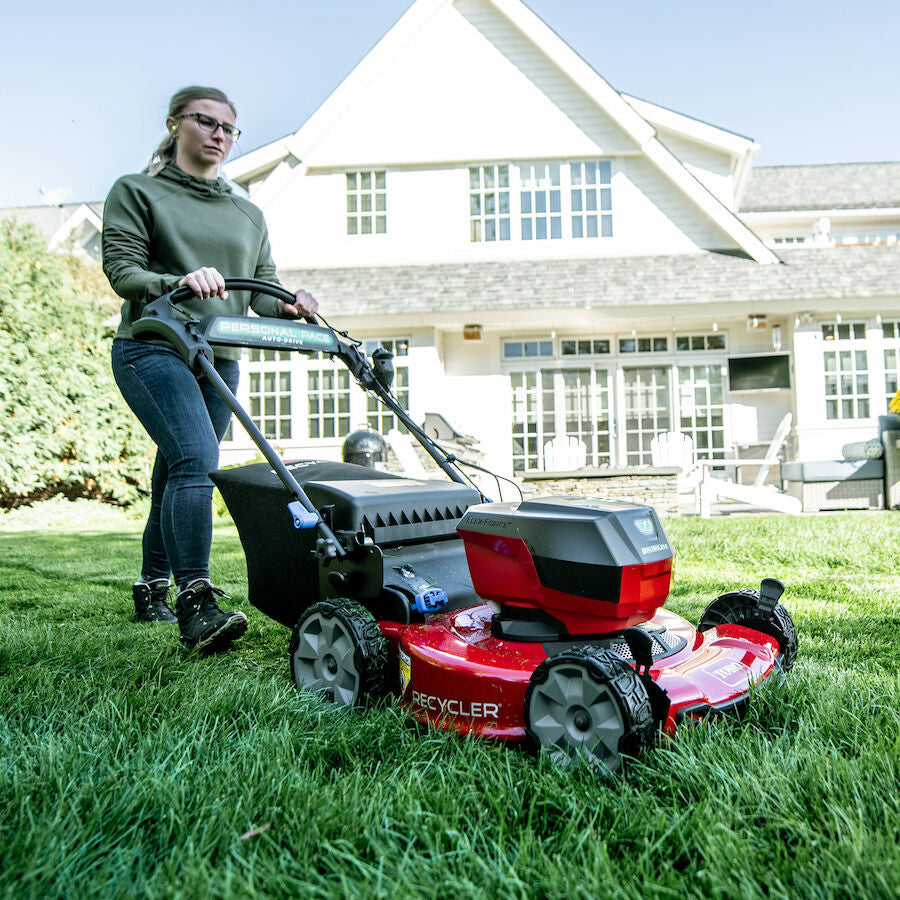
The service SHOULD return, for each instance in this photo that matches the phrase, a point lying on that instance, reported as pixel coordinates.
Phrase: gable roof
(823, 187)
(807, 278)
(620, 110)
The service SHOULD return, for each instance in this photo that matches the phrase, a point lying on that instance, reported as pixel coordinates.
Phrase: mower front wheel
(338, 650)
(587, 703)
(743, 608)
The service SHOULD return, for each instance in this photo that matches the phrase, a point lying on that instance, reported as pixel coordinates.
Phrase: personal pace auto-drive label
(272, 332)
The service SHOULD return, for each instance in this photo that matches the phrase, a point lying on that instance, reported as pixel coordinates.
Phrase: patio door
(551, 403)
(647, 410)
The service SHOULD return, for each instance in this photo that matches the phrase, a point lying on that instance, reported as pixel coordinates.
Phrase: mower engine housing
(561, 566)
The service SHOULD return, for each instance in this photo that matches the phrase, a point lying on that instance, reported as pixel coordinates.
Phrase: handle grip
(257, 285)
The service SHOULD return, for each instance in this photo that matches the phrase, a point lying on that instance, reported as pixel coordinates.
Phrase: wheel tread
(370, 654)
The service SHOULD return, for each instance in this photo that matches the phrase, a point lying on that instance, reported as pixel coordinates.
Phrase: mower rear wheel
(338, 650)
(587, 703)
(742, 608)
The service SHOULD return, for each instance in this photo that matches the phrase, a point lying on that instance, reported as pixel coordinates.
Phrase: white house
(548, 256)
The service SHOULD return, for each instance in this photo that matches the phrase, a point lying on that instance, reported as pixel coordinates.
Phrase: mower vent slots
(665, 644)
(393, 511)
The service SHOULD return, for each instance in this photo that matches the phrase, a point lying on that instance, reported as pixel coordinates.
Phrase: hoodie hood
(207, 187)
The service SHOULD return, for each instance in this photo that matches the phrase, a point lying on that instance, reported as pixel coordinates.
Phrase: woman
(178, 223)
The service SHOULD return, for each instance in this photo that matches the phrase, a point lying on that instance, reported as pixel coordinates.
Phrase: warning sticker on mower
(405, 670)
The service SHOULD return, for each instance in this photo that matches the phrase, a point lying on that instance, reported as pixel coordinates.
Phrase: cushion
(833, 470)
(870, 449)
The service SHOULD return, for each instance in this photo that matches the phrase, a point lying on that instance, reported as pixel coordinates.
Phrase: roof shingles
(842, 273)
(837, 186)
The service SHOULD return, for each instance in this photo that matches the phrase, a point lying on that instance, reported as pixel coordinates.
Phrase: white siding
(428, 221)
(454, 93)
(712, 168)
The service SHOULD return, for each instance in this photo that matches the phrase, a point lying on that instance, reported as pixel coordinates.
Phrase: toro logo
(726, 674)
(450, 707)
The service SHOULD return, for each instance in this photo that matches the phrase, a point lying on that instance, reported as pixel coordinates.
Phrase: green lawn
(132, 767)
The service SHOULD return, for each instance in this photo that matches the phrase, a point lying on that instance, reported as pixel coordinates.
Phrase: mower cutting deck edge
(536, 620)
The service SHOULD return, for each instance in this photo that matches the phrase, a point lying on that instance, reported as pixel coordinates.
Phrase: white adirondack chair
(712, 488)
(674, 448)
(564, 454)
(402, 446)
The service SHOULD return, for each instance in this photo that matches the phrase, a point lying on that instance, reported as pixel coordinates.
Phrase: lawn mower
(536, 620)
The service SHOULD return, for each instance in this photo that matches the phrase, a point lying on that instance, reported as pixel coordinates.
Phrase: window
(701, 408)
(643, 345)
(591, 192)
(489, 213)
(594, 347)
(846, 384)
(377, 417)
(366, 203)
(527, 349)
(685, 343)
(801, 239)
(891, 334)
(549, 402)
(328, 399)
(541, 202)
(844, 331)
(867, 237)
(269, 393)
(647, 412)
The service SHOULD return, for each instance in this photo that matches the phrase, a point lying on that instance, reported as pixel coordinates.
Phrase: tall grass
(130, 766)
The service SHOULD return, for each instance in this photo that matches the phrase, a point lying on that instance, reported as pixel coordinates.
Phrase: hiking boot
(203, 625)
(151, 601)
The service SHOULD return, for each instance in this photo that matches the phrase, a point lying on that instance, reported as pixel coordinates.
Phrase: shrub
(64, 427)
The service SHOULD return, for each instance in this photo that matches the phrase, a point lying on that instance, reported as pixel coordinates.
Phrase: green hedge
(64, 428)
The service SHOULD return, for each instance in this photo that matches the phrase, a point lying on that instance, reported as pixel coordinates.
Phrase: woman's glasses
(209, 125)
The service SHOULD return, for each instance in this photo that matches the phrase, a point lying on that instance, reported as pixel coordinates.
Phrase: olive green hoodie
(157, 229)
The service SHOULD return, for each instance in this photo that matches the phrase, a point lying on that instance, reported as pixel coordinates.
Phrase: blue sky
(85, 86)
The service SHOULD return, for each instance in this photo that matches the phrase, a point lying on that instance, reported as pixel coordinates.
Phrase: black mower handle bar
(188, 340)
(257, 285)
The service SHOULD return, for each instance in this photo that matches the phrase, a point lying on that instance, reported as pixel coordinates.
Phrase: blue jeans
(186, 418)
